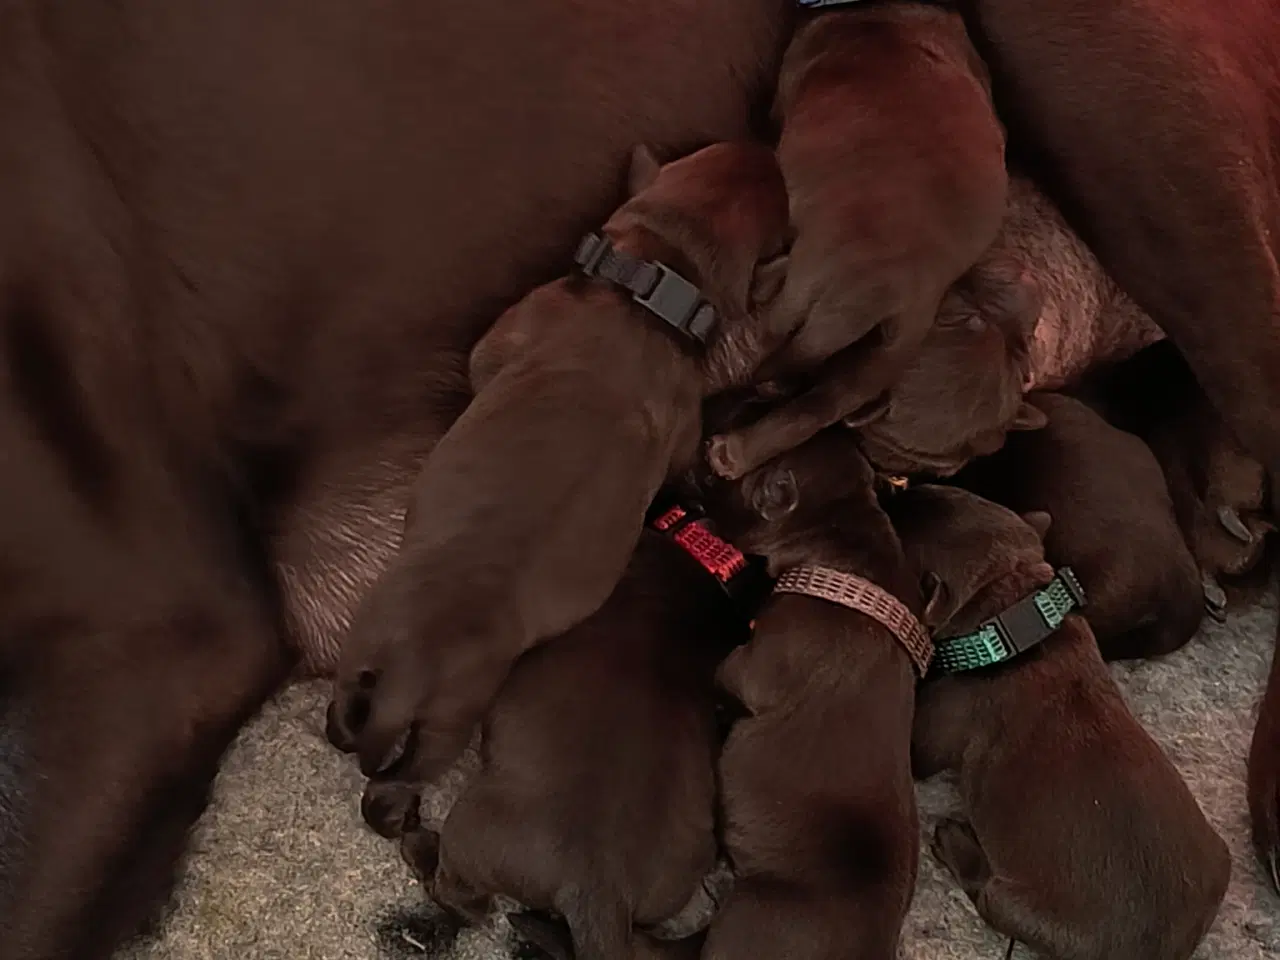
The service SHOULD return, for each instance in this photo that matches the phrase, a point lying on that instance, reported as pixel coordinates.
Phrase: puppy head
(781, 509)
(719, 217)
(974, 557)
(964, 391)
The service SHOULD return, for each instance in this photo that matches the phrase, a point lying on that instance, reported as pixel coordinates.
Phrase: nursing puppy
(962, 392)
(1113, 524)
(894, 162)
(819, 815)
(525, 514)
(1079, 837)
(1061, 315)
(596, 798)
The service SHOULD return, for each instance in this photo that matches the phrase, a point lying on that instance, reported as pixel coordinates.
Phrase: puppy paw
(724, 456)
(391, 809)
(416, 678)
(956, 847)
(1215, 599)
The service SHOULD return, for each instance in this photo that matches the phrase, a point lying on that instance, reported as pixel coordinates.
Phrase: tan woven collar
(862, 595)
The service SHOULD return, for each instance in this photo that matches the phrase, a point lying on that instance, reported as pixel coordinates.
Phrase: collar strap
(718, 557)
(653, 285)
(862, 595)
(1030, 621)
(743, 578)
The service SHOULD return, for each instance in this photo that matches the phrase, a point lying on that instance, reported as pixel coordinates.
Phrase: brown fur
(963, 391)
(1113, 524)
(533, 501)
(243, 291)
(819, 808)
(597, 794)
(1219, 490)
(246, 251)
(1079, 838)
(1085, 319)
(894, 161)
(1155, 125)
(1060, 314)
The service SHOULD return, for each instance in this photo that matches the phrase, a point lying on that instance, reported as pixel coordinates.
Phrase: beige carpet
(283, 868)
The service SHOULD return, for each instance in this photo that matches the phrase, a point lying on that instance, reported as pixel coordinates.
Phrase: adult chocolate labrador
(246, 247)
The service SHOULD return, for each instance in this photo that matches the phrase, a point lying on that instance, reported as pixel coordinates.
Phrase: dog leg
(1002, 903)
(460, 897)
(1156, 121)
(391, 808)
(123, 750)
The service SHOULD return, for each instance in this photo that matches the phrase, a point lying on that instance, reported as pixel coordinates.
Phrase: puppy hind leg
(1005, 905)
(956, 847)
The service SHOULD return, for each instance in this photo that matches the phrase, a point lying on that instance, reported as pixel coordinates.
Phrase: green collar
(1028, 622)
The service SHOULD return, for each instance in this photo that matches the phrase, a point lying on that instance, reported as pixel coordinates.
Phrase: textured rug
(281, 866)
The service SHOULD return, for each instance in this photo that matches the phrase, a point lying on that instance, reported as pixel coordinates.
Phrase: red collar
(718, 557)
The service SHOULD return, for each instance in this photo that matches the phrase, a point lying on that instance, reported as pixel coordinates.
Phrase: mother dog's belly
(332, 544)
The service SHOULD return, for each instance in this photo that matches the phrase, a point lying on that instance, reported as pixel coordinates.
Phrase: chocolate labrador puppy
(1079, 838)
(819, 808)
(585, 403)
(1061, 316)
(1113, 523)
(596, 798)
(962, 393)
(894, 162)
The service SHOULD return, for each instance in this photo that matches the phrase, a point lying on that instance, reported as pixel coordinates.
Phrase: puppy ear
(767, 281)
(938, 605)
(644, 170)
(1029, 418)
(877, 409)
(1039, 521)
(776, 496)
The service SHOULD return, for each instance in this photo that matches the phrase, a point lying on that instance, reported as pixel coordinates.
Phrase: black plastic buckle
(1021, 627)
(678, 302)
(591, 250)
(653, 285)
